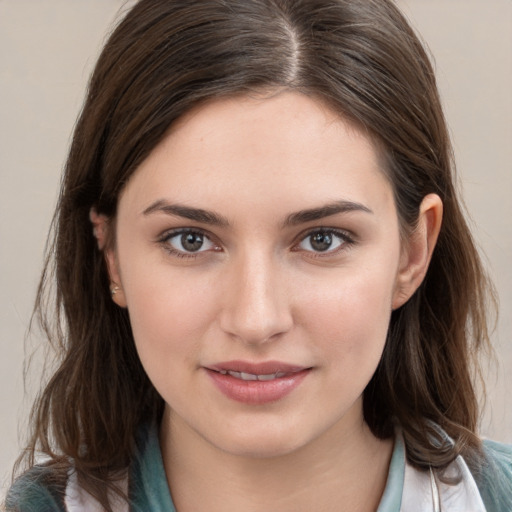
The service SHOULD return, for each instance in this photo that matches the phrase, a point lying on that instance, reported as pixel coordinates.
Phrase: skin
(258, 290)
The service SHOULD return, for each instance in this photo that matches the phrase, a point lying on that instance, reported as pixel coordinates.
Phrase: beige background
(47, 49)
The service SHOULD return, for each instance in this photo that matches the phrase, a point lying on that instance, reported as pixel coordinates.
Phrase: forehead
(287, 147)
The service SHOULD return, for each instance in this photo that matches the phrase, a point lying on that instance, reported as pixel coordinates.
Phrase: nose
(256, 307)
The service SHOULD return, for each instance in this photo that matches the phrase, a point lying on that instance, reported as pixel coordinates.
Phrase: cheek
(168, 313)
(350, 315)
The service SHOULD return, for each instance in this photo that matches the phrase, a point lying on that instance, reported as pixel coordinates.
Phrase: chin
(262, 443)
(264, 449)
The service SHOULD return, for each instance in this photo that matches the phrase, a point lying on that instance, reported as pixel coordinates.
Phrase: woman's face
(259, 257)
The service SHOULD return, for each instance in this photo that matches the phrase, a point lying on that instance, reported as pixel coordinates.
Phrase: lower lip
(256, 392)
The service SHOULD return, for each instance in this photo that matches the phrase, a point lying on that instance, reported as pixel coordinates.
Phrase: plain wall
(47, 50)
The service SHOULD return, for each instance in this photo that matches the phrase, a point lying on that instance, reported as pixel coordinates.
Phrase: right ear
(100, 232)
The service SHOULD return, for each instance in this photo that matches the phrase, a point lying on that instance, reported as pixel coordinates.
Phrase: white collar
(423, 492)
(79, 500)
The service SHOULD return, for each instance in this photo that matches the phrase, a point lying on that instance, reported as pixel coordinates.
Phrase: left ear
(100, 223)
(417, 250)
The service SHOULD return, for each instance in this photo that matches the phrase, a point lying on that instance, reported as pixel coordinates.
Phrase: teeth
(248, 376)
(270, 376)
(252, 376)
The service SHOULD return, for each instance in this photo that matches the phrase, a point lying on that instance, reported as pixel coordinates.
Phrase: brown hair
(167, 56)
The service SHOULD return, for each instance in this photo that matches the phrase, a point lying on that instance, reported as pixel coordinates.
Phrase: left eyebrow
(327, 210)
(178, 210)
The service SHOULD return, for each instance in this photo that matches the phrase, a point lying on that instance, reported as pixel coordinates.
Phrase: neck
(345, 469)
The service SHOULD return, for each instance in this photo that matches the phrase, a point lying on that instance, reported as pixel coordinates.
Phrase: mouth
(257, 383)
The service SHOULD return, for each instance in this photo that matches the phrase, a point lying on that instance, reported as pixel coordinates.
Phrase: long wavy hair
(166, 57)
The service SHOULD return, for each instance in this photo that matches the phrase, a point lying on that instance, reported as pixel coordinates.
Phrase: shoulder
(495, 478)
(40, 489)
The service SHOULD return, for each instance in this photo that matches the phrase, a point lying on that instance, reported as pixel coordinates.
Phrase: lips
(256, 383)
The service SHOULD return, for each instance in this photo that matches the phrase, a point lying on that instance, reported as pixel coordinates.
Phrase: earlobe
(116, 288)
(117, 294)
(417, 251)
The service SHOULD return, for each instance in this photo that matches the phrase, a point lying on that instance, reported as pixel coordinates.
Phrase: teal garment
(36, 491)
(149, 492)
(392, 497)
(148, 483)
(495, 480)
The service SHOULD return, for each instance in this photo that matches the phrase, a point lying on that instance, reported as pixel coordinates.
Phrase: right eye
(325, 241)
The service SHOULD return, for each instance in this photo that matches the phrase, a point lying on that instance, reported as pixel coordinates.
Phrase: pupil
(192, 241)
(321, 241)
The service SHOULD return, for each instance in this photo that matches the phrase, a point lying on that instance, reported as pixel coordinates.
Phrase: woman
(267, 293)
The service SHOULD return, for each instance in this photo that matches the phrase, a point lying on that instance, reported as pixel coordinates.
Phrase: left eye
(322, 241)
(189, 242)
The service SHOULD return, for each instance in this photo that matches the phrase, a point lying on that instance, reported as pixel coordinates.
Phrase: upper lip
(263, 368)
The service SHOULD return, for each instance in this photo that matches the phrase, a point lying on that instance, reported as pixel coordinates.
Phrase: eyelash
(345, 241)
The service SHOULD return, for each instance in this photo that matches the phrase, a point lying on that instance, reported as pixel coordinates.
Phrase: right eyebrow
(187, 212)
(326, 210)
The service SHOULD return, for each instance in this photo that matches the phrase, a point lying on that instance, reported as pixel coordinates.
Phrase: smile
(256, 383)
